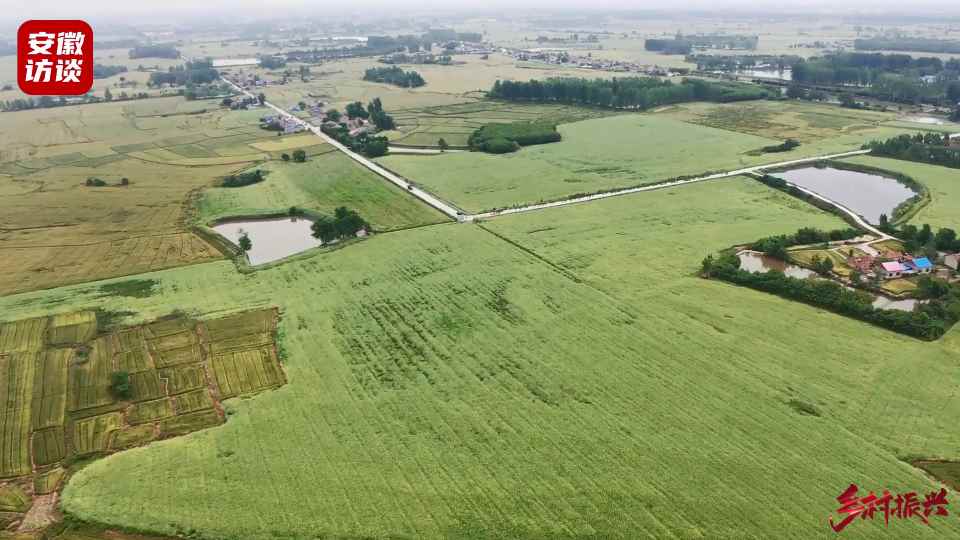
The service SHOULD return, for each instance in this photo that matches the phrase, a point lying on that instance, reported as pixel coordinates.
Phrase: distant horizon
(180, 12)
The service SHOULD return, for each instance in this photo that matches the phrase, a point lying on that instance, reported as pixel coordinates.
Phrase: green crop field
(942, 182)
(594, 155)
(454, 123)
(561, 373)
(322, 183)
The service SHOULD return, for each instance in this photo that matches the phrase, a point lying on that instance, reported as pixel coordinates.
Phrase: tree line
(923, 148)
(776, 246)
(928, 321)
(154, 51)
(394, 75)
(102, 71)
(636, 93)
(195, 72)
(242, 179)
(928, 45)
(892, 77)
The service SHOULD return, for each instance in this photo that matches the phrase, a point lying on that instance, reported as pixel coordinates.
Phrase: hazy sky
(163, 10)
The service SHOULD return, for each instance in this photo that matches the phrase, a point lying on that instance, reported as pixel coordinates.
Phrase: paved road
(628, 191)
(424, 196)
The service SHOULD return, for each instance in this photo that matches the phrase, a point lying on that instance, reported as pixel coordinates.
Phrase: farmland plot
(56, 401)
(566, 376)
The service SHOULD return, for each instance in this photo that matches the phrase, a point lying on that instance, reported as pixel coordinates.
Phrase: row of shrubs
(243, 179)
(505, 138)
(928, 321)
(776, 246)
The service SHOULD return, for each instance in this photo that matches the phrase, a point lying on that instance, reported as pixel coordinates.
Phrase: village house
(891, 270)
(954, 141)
(864, 264)
(921, 265)
(952, 261)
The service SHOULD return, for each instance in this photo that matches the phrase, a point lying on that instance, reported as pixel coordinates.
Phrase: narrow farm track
(452, 211)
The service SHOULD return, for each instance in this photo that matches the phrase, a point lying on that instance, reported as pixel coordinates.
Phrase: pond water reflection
(869, 195)
(272, 239)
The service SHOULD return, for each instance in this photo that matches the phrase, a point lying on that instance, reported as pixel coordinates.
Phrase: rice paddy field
(54, 229)
(943, 183)
(324, 182)
(562, 373)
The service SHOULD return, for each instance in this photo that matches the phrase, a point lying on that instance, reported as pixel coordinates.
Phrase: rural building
(921, 265)
(954, 141)
(952, 261)
(891, 270)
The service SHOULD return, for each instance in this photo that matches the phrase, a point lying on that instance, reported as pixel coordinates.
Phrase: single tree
(261, 98)
(120, 385)
(124, 181)
(333, 115)
(299, 156)
(244, 242)
(285, 156)
(442, 143)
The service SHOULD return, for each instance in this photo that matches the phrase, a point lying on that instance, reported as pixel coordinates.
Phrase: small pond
(272, 239)
(930, 120)
(785, 75)
(869, 195)
(758, 262)
(753, 261)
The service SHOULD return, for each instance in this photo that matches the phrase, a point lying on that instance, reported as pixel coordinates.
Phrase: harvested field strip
(134, 361)
(48, 446)
(146, 386)
(183, 378)
(243, 342)
(92, 435)
(25, 335)
(193, 401)
(133, 436)
(14, 442)
(178, 340)
(187, 423)
(186, 355)
(49, 393)
(148, 411)
(47, 482)
(246, 372)
(90, 380)
(72, 328)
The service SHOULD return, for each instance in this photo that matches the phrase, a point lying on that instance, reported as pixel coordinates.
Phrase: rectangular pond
(869, 195)
(271, 239)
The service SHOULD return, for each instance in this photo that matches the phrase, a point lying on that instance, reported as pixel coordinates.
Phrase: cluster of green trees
(892, 77)
(273, 62)
(120, 386)
(196, 72)
(299, 156)
(504, 138)
(785, 146)
(93, 181)
(154, 51)
(345, 223)
(381, 119)
(394, 75)
(928, 45)
(369, 145)
(102, 71)
(625, 92)
(722, 62)
(668, 46)
(928, 321)
(776, 246)
(922, 147)
(243, 179)
(923, 240)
